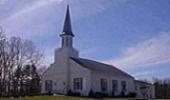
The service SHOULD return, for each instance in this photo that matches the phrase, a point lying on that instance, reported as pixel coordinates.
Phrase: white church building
(71, 72)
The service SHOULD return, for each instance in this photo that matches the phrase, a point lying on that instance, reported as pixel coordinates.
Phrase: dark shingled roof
(142, 82)
(101, 67)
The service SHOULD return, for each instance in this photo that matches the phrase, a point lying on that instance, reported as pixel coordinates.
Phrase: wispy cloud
(153, 51)
(143, 75)
(25, 19)
(2, 2)
(36, 17)
(34, 6)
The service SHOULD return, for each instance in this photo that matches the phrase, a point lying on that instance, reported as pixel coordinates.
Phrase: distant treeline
(162, 88)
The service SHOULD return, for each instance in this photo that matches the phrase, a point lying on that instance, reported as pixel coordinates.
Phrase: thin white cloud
(2, 2)
(25, 22)
(144, 75)
(36, 5)
(34, 19)
(153, 51)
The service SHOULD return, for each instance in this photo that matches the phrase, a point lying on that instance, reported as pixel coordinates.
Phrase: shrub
(113, 94)
(76, 94)
(100, 94)
(91, 93)
(132, 94)
(123, 93)
(70, 93)
(49, 93)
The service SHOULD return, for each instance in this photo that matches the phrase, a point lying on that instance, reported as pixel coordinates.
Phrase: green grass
(58, 97)
(48, 98)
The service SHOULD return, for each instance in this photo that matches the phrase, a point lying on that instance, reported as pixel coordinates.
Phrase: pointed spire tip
(67, 29)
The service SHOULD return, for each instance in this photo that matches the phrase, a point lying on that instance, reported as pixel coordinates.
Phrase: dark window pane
(124, 86)
(78, 83)
(103, 85)
(48, 85)
(114, 85)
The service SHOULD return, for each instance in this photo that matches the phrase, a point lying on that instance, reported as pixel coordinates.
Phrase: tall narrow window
(78, 83)
(114, 85)
(67, 41)
(63, 42)
(103, 85)
(48, 85)
(124, 86)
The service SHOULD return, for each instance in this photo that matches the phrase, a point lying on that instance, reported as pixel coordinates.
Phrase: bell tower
(67, 34)
(66, 50)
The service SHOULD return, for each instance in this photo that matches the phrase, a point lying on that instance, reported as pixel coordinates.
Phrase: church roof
(142, 82)
(101, 67)
(67, 29)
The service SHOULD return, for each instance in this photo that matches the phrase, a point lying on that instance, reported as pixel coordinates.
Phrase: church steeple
(67, 34)
(67, 29)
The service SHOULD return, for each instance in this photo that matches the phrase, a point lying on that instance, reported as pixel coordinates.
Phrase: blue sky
(133, 35)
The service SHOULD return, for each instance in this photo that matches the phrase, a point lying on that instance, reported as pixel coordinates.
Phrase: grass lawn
(47, 98)
(55, 98)
(59, 97)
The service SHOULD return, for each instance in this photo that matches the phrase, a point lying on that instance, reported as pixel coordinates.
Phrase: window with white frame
(78, 83)
(114, 85)
(103, 83)
(48, 85)
(124, 86)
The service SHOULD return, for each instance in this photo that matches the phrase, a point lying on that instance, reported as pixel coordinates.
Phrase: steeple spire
(67, 29)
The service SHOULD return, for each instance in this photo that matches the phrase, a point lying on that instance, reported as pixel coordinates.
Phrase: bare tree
(15, 53)
(26, 54)
(162, 88)
(3, 63)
